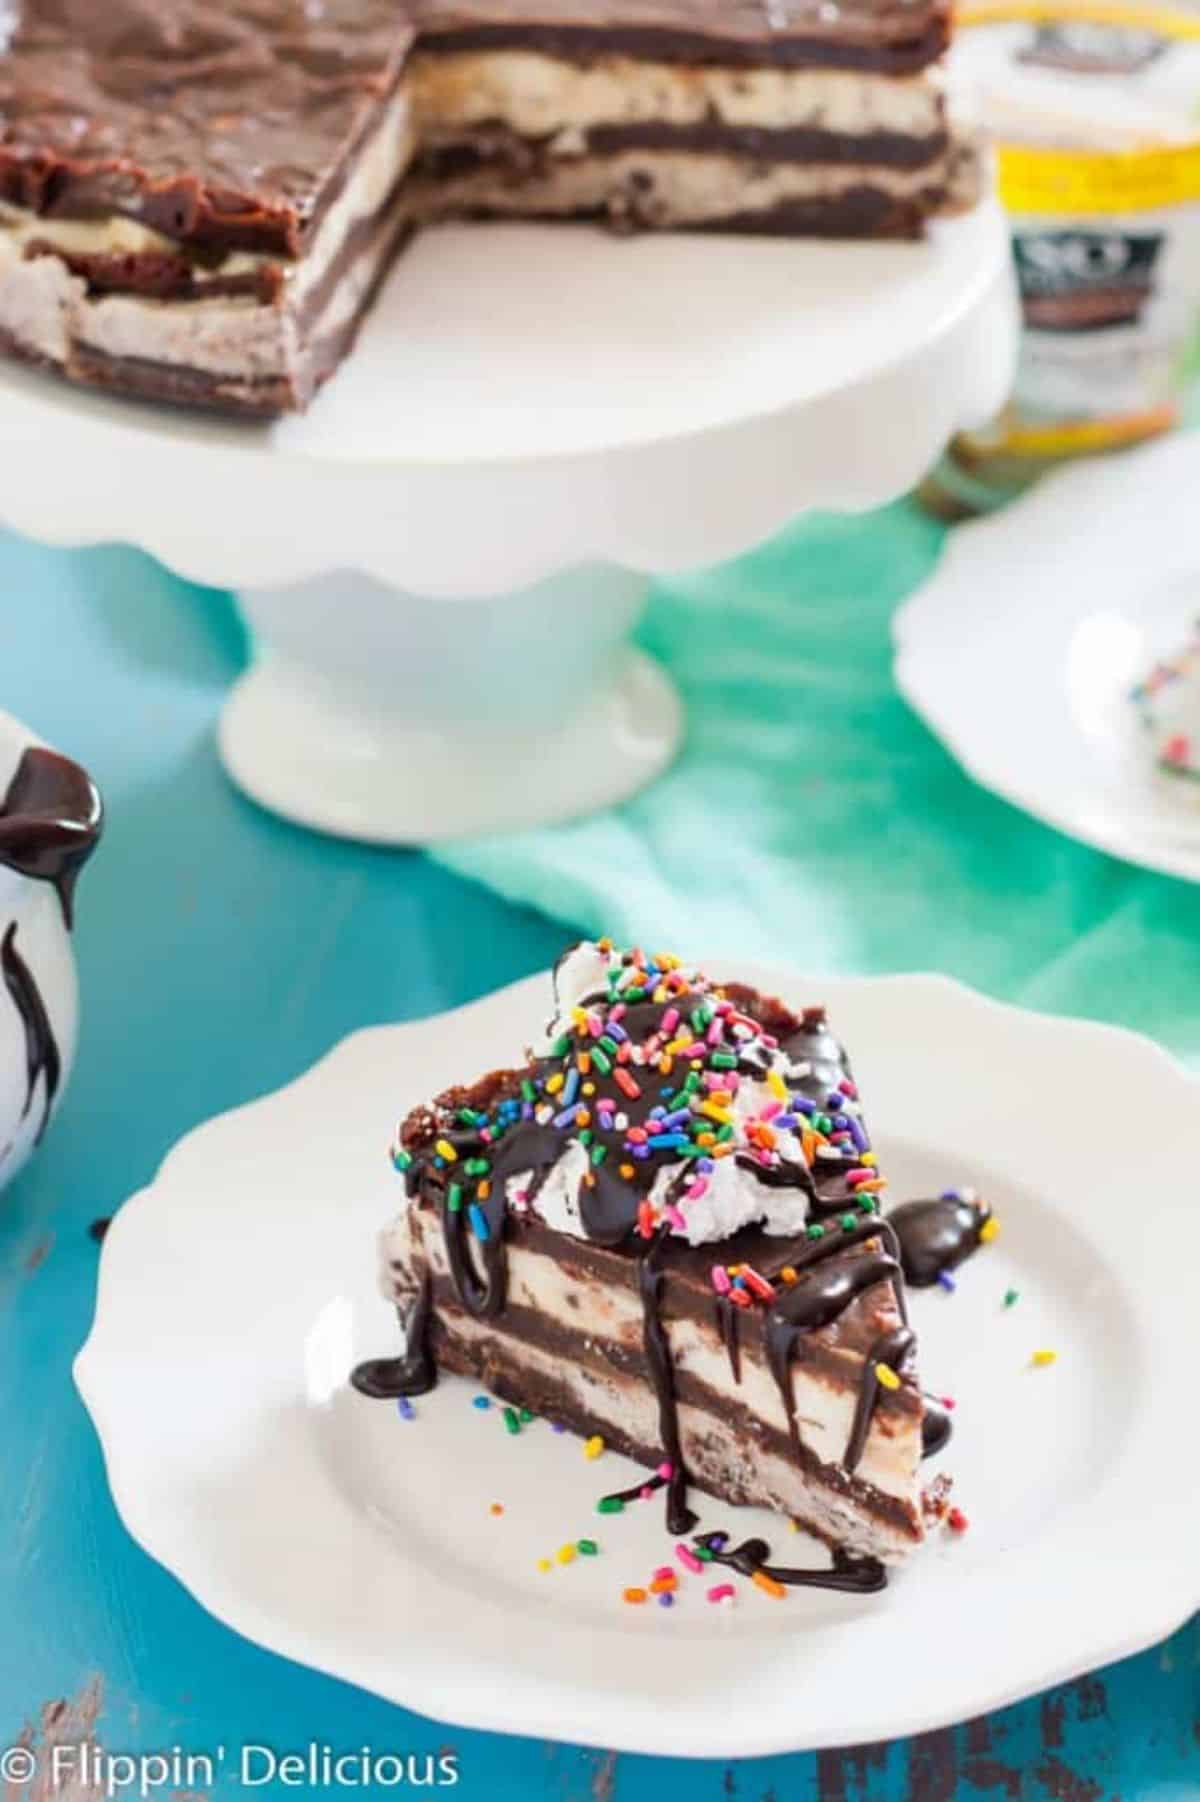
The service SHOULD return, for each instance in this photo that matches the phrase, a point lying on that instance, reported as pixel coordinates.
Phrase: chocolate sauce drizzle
(414, 1372)
(936, 1428)
(51, 819)
(731, 1334)
(637, 1491)
(890, 1349)
(827, 1282)
(831, 1269)
(851, 1574)
(937, 1234)
(680, 1518)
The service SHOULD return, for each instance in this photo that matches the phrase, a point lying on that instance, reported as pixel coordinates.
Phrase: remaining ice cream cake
(664, 1228)
(199, 198)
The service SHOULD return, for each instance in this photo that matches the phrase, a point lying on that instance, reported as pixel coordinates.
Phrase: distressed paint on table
(222, 951)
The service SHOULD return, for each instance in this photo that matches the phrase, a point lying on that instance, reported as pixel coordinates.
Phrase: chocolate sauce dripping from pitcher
(42, 1056)
(50, 823)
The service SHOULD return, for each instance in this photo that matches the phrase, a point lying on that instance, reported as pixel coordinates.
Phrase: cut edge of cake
(788, 119)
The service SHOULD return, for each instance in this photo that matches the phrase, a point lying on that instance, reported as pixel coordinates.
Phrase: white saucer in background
(1021, 650)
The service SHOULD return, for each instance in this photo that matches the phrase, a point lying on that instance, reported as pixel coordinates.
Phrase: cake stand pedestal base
(399, 719)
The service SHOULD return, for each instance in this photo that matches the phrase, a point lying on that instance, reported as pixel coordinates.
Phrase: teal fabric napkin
(812, 818)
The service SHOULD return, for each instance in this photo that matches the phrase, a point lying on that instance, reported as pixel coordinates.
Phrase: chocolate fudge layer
(664, 1229)
(198, 198)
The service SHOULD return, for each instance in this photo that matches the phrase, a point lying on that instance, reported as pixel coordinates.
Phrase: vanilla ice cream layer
(538, 95)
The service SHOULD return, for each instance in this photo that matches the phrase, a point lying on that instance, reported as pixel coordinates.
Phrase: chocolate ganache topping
(665, 1113)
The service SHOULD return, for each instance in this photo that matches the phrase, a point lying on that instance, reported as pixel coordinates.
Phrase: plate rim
(1165, 1605)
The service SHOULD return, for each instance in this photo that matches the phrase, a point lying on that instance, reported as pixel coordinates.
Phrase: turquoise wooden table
(221, 952)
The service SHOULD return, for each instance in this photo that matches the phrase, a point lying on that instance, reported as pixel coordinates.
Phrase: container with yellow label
(1094, 111)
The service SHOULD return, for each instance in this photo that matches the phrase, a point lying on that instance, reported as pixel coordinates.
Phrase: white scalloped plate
(1021, 649)
(237, 1291)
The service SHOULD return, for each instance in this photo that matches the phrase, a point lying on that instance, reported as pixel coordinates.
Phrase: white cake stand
(442, 562)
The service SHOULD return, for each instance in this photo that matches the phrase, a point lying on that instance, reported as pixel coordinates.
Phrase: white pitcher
(50, 820)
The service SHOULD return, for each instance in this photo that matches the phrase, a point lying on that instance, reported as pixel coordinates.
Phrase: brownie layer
(662, 190)
(789, 144)
(445, 155)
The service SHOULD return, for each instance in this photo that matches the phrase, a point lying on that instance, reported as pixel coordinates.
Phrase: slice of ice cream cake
(663, 1228)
